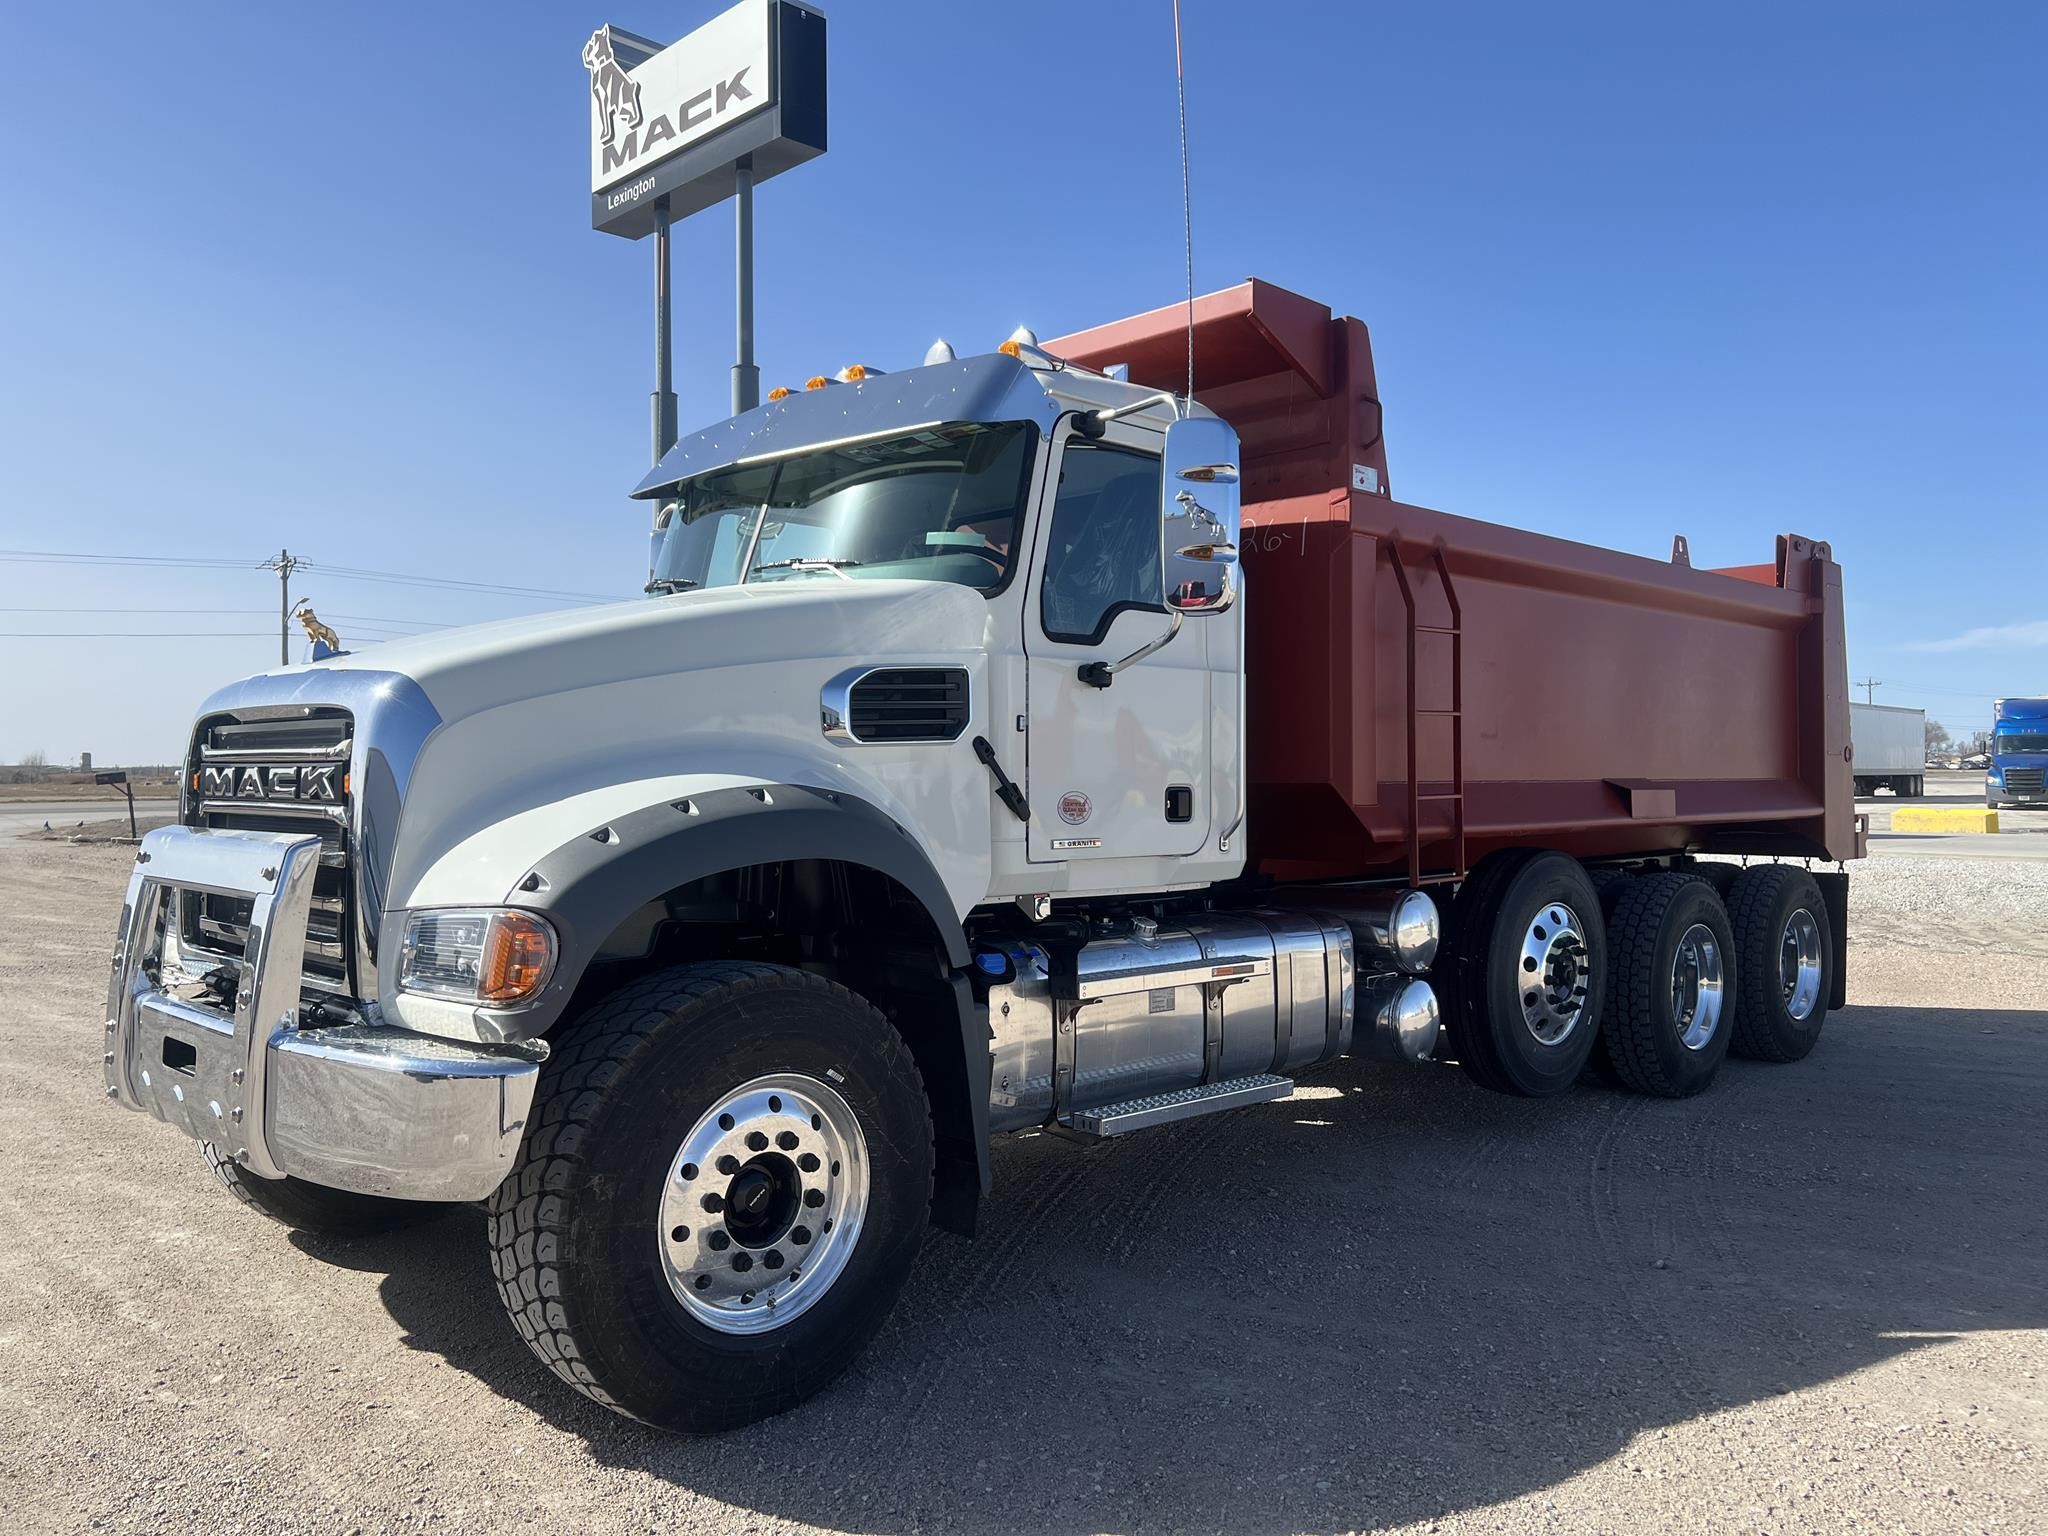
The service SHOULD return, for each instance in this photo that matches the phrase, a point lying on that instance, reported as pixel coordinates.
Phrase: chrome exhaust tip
(1400, 1019)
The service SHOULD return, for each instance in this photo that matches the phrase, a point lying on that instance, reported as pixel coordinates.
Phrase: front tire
(726, 1177)
(1525, 972)
(314, 1207)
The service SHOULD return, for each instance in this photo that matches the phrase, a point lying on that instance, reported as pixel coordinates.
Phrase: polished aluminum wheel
(1799, 964)
(1697, 986)
(1554, 974)
(764, 1203)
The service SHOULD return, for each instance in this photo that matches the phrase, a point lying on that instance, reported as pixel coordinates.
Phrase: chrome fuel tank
(1144, 1009)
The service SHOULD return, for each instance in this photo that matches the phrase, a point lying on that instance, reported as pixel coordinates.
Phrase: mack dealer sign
(747, 86)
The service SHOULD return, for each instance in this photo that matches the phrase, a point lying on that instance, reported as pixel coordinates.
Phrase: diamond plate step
(1182, 1104)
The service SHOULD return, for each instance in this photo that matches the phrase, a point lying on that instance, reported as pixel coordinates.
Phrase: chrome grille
(227, 752)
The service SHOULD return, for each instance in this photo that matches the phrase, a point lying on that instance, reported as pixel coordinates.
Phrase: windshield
(940, 504)
(2020, 741)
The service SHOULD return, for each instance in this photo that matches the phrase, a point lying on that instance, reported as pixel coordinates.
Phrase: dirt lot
(1813, 1299)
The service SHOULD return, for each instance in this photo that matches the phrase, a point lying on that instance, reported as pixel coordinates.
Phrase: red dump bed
(1536, 690)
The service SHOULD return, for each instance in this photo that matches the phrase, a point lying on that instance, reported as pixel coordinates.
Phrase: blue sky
(323, 277)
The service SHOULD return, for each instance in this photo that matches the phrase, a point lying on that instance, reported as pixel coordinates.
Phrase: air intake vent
(908, 704)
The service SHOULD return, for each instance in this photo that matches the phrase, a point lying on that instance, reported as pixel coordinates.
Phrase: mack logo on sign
(645, 109)
(317, 783)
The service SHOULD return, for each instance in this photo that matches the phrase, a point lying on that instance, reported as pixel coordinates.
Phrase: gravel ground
(1810, 1300)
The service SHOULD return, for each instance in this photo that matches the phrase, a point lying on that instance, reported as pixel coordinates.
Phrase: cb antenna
(1187, 218)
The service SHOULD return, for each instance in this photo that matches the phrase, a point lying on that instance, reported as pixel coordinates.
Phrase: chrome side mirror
(1198, 515)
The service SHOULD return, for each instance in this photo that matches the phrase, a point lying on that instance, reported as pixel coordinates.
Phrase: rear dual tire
(1785, 958)
(1672, 990)
(1685, 968)
(1523, 975)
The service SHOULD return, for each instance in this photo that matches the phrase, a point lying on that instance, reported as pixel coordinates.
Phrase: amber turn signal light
(516, 959)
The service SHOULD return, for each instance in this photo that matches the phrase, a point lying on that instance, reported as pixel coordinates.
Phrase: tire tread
(1633, 930)
(529, 1218)
(308, 1207)
(1753, 898)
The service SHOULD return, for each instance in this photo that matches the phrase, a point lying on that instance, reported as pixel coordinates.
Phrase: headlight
(494, 955)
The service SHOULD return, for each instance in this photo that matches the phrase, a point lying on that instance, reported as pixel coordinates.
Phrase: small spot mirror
(1198, 515)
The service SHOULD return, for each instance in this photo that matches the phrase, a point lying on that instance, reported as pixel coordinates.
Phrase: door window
(1103, 551)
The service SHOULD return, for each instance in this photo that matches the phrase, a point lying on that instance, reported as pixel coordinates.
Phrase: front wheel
(727, 1176)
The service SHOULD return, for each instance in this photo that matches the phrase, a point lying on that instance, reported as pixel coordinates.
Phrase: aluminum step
(1182, 1104)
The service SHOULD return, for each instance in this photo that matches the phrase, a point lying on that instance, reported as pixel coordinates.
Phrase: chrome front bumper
(377, 1110)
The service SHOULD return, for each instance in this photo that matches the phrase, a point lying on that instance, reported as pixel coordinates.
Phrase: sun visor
(988, 388)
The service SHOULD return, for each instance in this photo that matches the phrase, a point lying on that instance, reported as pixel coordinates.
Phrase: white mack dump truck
(710, 937)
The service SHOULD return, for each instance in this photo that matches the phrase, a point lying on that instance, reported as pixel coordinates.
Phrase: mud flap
(1834, 891)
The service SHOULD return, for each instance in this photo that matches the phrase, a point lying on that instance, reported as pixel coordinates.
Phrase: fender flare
(592, 883)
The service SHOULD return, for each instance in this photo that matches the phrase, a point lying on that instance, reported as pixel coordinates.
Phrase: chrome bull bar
(361, 1107)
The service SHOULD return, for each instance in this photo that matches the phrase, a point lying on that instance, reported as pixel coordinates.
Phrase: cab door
(1121, 771)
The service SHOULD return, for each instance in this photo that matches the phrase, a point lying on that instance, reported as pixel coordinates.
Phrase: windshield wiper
(667, 584)
(836, 567)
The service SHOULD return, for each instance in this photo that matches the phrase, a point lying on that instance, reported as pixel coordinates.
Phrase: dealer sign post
(674, 130)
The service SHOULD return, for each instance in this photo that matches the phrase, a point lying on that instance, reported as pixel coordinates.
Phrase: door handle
(1006, 791)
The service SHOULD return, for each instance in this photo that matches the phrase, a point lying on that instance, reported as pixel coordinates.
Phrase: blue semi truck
(2018, 774)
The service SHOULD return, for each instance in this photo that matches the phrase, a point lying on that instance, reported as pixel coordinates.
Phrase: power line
(173, 634)
(51, 557)
(379, 618)
(1940, 693)
(188, 608)
(353, 573)
(209, 610)
(339, 572)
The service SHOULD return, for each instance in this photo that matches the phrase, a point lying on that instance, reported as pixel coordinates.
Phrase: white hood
(552, 723)
(520, 661)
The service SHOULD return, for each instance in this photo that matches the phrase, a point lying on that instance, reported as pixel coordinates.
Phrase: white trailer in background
(1889, 748)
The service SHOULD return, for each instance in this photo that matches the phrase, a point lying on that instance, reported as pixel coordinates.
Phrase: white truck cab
(709, 937)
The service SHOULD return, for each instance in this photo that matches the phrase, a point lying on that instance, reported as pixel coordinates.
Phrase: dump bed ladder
(1455, 797)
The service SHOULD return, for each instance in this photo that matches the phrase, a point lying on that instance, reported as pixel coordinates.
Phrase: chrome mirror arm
(1110, 413)
(1098, 674)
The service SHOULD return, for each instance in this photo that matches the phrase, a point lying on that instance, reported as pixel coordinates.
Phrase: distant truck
(2018, 774)
(1889, 748)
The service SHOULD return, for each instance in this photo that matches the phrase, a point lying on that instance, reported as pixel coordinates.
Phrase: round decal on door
(1074, 807)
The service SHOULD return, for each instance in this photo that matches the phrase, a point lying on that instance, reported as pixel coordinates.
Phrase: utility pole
(1869, 685)
(284, 563)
